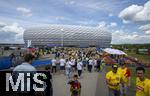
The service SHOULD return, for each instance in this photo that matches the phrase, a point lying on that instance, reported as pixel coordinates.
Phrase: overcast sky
(127, 20)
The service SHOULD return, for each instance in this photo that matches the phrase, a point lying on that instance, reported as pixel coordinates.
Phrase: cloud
(121, 37)
(69, 2)
(110, 15)
(11, 33)
(145, 28)
(2, 24)
(24, 11)
(13, 28)
(105, 25)
(136, 13)
(113, 24)
(85, 22)
(58, 17)
(102, 24)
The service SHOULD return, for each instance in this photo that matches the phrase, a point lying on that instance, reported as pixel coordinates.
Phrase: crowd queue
(69, 60)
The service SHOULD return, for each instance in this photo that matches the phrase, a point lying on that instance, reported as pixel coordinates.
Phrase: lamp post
(62, 38)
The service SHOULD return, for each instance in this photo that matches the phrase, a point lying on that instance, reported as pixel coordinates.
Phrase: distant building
(9, 44)
(67, 36)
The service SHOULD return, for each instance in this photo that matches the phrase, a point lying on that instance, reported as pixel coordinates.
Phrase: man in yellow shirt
(142, 83)
(147, 88)
(113, 79)
(125, 74)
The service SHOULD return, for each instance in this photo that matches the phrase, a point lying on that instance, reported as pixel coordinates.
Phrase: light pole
(62, 38)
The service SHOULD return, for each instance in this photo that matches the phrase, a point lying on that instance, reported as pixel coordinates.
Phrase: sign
(29, 43)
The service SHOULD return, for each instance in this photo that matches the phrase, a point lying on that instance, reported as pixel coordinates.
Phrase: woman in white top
(54, 65)
(79, 67)
(62, 63)
(95, 64)
(73, 63)
(90, 65)
(68, 68)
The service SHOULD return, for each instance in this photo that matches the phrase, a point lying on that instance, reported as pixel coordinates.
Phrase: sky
(127, 20)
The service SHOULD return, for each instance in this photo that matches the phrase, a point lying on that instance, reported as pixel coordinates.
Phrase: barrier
(5, 62)
(41, 62)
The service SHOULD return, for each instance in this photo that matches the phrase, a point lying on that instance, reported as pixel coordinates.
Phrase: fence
(6, 62)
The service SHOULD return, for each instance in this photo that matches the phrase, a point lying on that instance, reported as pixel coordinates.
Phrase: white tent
(114, 51)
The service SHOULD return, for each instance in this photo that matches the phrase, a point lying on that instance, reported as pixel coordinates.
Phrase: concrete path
(93, 84)
(101, 89)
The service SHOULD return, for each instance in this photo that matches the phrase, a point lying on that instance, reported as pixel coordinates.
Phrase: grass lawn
(133, 76)
(143, 57)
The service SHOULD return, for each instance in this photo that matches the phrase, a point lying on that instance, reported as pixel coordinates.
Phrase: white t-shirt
(90, 62)
(87, 59)
(95, 62)
(62, 62)
(79, 66)
(73, 61)
(24, 67)
(53, 62)
(68, 64)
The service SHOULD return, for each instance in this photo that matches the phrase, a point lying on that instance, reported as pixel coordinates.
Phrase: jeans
(123, 90)
(79, 72)
(114, 92)
(54, 68)
(90, 68)
(68, 72)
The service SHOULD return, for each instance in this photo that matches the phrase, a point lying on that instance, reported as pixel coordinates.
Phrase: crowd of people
(119, 81)
(76, 60)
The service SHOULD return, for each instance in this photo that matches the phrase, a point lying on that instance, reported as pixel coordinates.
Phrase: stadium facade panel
(67, 35)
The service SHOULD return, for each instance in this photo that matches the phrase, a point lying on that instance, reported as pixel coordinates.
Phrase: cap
(115, 66)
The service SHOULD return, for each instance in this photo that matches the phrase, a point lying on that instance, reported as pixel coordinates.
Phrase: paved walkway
(101, 89)
(92, 84)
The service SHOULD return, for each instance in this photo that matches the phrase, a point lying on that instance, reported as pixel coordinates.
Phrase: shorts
(62, 67)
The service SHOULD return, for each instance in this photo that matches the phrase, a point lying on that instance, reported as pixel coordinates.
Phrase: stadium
(67, 36)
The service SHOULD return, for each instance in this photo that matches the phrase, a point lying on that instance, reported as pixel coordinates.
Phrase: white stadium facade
(67, 36)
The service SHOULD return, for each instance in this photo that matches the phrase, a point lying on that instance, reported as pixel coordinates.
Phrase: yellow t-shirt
(142, 87)
(113, 78)
(125, 74)
(147, 88)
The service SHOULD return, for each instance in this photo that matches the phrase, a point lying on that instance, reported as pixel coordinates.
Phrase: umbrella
(114, 51)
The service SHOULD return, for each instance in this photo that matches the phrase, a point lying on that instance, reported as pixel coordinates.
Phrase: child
(75, 86)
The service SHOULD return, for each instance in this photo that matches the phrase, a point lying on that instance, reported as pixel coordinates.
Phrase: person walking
(98, 64)
(26, 65)
(142, 83)
(62, 64)
(75, 86)
(84, 63)
(73, 61)
(68, 68)
(126, 75)
(90, 65)
(79, 67)
(25, 68)
(95, 64)
(54, 65)
(113, 80)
